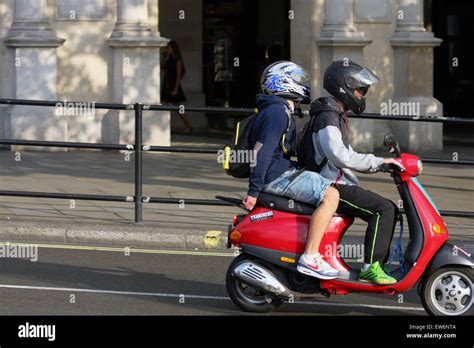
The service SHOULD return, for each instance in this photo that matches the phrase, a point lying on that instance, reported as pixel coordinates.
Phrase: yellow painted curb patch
(211, 239)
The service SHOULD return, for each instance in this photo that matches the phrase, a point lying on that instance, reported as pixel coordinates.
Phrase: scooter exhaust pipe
(258, 276)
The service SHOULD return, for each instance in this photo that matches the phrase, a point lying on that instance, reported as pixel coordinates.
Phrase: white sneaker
(316, 267)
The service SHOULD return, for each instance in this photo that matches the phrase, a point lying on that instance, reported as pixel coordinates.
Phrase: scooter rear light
(235, 236)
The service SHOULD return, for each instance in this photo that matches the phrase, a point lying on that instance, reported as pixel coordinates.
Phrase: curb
(157, 237)
(114, 235)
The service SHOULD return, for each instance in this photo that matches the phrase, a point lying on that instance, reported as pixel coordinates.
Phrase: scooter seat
(285, 204)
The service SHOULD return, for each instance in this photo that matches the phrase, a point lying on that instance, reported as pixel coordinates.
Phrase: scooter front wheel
(448, 291)
(245, 296)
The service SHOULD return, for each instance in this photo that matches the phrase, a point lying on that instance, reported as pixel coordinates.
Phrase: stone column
(34, 73)
(340, 40)
(136, 75)
(413, 78)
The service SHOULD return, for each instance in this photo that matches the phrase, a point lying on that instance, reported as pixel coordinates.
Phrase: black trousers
(381, 215)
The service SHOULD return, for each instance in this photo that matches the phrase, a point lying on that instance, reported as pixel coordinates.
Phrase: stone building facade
(388, 37)
(87, 50)
(109, 51)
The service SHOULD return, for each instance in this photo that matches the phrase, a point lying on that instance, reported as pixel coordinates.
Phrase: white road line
(203, 297)
(361, 305)
(113, 292)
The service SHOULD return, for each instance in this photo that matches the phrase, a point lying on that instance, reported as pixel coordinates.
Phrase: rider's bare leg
(320, 220)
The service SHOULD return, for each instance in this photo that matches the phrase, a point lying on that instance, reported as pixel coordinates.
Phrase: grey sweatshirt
(331, 141)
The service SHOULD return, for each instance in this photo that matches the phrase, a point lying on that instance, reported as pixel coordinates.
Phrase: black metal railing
(138, 148)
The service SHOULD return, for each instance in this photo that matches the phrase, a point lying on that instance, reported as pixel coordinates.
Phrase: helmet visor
(363, 90)
(300, 76)
(365, 78)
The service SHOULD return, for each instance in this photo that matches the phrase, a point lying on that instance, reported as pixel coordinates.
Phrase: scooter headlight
(420, 167)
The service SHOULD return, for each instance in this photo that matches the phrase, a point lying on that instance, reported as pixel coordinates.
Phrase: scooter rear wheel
(246, 297)
(448, 291)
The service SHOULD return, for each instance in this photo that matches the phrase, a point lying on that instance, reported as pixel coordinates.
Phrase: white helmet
(286, 79)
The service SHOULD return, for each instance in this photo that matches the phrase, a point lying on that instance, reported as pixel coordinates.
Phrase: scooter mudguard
(449, 255)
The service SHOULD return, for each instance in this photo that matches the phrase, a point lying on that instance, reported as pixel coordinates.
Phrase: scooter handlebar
(389, 168)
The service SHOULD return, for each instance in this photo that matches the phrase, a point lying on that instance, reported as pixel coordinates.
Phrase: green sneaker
(376, 275)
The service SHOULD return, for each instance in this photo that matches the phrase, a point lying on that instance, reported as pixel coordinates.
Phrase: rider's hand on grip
(392, 165)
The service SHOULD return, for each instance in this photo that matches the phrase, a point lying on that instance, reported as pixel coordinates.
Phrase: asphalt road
(108, 281)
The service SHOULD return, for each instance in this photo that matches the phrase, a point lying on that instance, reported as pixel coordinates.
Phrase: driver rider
(348, 83)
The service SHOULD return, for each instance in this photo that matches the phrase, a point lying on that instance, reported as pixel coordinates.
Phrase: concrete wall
(86, 69)
(89, 67)
(400, 54)
(305, 27)
(378, 56)
(6, 57)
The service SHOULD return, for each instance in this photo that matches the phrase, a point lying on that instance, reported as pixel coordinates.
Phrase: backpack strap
(283, 137)
(325, 160)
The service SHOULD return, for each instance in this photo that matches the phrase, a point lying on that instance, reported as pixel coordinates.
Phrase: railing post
(138, 162)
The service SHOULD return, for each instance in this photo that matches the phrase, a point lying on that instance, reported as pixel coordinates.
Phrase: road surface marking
(112, 292)
(123, 249)
(202, 297)
(361, 305)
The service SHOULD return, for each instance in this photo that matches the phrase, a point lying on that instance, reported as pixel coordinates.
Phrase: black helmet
(286, 79)
(343, 77)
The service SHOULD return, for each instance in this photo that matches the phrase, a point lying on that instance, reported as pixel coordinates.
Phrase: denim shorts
(308, 187)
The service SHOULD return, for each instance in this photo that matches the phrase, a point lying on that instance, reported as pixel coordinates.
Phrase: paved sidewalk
(170, 175)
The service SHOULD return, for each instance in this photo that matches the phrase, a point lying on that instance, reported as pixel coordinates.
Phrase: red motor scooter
(272, 237)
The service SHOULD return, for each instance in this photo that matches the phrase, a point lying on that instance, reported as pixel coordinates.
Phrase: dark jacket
(331, 141)
(274, 119)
